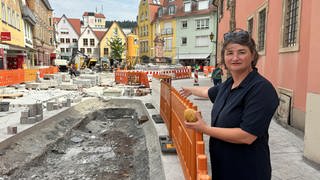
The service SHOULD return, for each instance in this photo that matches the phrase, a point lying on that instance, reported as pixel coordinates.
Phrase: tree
(117, 47)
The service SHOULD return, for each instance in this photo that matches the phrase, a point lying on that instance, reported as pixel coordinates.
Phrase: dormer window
(115, 31)
(156, 1)
(172, 10)
(187, 6)
(203, 5)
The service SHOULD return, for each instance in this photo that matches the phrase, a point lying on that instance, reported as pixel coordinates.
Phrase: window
(4, 15)
(167, 44)
(202, 41)
(115, 31)
(64, 32)
(250, 26)
(156, 1)
(62, 50)
(91, 42)
(187, 6)
(220, 9)
(74, 40)
(67, 49)
(89, 51)
(203, 5)
(184, 41)
(82, 50)
(184, 24)
(172, 10)
(9, 15)
(160, 12)
(106, 51)
(143, 46)
(18, 21)
(262, 29)
(13, 17)
(290, 31)
(67, 40)
(61, 40)
(202, 23)
(85, 42)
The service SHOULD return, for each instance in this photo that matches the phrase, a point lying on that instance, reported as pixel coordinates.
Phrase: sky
(113, 9)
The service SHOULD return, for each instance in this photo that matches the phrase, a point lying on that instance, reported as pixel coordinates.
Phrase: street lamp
(211, 36)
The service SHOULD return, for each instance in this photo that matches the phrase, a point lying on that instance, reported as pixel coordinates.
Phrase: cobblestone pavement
(286, 144)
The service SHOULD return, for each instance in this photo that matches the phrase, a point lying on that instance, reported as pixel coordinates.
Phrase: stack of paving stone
(68, 87)
(66, 103)
(33, 114)
(112, 92)
(54, 78)
(94, 78)
(84, 83)
(65, 77)
(37, 85)
(54, 105)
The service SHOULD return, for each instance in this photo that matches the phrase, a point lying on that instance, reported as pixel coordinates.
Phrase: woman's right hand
(185, 92)
(200, 125)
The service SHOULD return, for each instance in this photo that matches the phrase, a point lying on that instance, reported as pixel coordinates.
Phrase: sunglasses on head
(236, 34)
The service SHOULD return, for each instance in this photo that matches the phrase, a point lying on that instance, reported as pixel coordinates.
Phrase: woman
(243, 107)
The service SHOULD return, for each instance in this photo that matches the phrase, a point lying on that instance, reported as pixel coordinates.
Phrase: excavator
(85, 60)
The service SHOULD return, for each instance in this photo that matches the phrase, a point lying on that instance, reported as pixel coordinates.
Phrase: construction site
(92, 126)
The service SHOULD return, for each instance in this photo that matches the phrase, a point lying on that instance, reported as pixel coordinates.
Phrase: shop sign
(5, 36)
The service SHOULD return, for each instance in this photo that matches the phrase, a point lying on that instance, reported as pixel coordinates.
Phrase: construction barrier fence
(177, 73)
(207, 70)
(131, 78)
(18, 76)
(188, 143)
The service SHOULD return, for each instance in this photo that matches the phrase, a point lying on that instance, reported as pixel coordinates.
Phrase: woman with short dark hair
(243, 108)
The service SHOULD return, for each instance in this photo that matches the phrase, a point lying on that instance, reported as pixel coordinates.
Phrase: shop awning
(193, 56)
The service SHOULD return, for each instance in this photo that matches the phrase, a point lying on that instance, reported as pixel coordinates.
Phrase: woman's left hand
(199, 125)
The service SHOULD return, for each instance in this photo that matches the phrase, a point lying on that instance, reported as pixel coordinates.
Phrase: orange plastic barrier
(207, 70)
(11, 77)
(165, 101)
(30, 75)
(17, 76)
(131, 78)
(188, 143)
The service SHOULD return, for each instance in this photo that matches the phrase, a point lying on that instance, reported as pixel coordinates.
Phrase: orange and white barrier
(196, 78)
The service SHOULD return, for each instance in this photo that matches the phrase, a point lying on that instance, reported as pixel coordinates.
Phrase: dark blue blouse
(250, 106)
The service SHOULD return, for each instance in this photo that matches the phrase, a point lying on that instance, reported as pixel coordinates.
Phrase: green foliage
(123, 24)
(117, 47)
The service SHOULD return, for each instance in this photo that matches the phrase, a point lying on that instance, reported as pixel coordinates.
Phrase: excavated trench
(108, 143)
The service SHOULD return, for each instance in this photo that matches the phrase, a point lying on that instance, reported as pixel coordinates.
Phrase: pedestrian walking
(243, 107)
(72, 70)
(216, 75)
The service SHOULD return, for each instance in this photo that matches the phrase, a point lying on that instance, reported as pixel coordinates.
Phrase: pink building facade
(286, 33)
